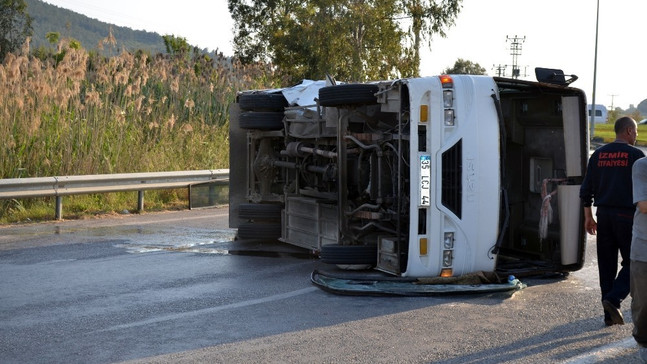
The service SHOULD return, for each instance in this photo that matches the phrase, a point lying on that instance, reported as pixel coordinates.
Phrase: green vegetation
(466, 67)
(76, 112)
(349, 39)
(604, 133)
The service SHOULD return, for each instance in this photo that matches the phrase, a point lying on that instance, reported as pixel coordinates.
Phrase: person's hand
(590, 225)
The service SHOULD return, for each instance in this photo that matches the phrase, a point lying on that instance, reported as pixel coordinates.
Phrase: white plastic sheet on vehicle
(303, 94)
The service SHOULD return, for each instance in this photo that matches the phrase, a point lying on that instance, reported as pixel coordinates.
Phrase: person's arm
(590, 224)
(642, 207)
(586, 194)
(639, 182)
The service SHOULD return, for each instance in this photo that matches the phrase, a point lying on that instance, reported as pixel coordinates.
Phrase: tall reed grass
(77, 112)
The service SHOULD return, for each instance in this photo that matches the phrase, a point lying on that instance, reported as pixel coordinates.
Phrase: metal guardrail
(59, 186)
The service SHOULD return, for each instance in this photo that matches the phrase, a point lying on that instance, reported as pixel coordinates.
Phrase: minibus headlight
(449, 117)
(448, 240)
(448, 258)
(448, 98)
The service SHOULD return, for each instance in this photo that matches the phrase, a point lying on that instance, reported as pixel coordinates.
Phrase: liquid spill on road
(204, 241)
(178, 240)
(142, 238)
(149, 238)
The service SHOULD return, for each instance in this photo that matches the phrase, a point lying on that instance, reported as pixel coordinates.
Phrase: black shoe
(614, 313)
(607, 318)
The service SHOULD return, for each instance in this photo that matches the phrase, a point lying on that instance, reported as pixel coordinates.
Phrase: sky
(558, 34)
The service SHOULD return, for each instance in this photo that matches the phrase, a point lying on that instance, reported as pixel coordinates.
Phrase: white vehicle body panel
(477, 127)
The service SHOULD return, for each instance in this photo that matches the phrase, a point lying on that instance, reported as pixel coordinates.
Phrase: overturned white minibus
(420, 177)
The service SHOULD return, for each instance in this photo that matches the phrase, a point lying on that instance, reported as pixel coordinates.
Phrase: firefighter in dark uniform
(607, 185)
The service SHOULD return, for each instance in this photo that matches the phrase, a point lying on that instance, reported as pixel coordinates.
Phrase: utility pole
(500, 69)
(595, 71)
(612, 96)
(515, 51)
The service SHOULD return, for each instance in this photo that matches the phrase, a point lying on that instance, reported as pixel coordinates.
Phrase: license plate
(425, 180)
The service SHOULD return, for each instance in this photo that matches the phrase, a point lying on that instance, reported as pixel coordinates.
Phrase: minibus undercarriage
(335, 176)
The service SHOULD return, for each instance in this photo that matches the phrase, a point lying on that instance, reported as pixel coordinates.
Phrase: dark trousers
(614, 234)
(639, 301)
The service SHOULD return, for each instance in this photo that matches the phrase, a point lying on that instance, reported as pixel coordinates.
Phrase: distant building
(601, 113)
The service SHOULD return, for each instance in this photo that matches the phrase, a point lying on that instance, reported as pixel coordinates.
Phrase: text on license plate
(425, 180)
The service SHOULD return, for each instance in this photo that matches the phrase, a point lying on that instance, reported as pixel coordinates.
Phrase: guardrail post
(212, 194)
(58, 214)
(140, 201)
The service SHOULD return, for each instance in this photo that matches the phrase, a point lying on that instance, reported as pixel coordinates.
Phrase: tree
(613, 115)
(176, 45)
(636, 115)
(428, 17)
(354, 40)
(465, 67)
(15, 26)
(53, 37)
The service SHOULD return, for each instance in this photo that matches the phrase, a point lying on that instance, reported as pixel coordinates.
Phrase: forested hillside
(49, 18)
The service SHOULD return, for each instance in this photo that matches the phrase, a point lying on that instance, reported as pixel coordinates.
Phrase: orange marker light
(446, 81)
(424, 110)
(446, 272)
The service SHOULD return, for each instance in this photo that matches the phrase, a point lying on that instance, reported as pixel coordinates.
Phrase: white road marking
(604, 353)
(210, 310)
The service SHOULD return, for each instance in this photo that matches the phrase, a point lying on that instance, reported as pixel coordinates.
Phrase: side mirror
(554, 76)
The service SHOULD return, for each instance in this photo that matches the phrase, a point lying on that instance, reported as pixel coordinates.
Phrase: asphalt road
(172, 287)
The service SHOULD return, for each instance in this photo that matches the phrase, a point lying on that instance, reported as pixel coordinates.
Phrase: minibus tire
(348, 254)
(262, 102)
(349, 94)
(257, 211)
(261, 120)
(259, 231)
